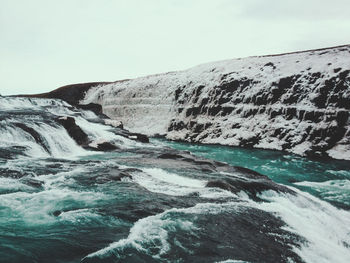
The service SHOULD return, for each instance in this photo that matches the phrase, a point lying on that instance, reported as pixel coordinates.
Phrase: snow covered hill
(297, 102)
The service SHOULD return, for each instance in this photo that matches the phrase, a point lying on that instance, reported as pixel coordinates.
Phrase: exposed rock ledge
(297, 102)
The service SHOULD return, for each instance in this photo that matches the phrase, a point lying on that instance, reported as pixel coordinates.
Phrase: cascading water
(63, 202)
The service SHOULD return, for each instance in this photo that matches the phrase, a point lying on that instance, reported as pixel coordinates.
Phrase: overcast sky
(45, 44)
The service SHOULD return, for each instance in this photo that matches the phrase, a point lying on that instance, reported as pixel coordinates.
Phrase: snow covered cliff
(297, 102)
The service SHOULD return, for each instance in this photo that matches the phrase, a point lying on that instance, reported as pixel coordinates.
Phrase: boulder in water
(139, 137)
(56, 213)
(102, 145)
(114, 123)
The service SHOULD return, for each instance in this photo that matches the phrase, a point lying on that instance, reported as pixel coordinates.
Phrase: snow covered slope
(297, 102)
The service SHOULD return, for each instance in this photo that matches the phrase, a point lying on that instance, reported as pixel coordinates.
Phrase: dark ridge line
(305, 51)
(73, 93)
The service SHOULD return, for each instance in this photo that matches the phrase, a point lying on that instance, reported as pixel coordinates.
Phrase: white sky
(45, 44)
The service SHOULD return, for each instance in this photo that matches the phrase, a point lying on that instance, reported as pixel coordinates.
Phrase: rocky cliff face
(297, 102)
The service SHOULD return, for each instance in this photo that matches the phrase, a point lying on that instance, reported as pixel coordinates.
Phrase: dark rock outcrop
(139, 137)
(95, 108)
(251, 187)
(70, 93)
(74, 131)
(132, 135)
(56, 213)
(102, 146)
(116, 175)
(82, 139)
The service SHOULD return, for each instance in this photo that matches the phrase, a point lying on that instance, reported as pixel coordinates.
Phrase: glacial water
(157, 202)
(326, 179)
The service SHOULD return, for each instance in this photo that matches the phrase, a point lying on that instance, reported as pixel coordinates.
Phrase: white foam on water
(37, 208)
(88, 216)
(78, 215)
(173, 178)
(57, 140)
(10, 103)
(152, 231)
(331, 184)
(325, 227)
(340, 173)
(160, 181)
(10, 137)
(332, 190)
(87, 114)
(159, 186)
(148, 232)
(232, 261)
(15, 165)
(102, 132)
(55, 137)
(9, 184)
(62, 179)
(60, 144)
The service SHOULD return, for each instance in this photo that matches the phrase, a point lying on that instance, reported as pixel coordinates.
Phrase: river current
(162, 201)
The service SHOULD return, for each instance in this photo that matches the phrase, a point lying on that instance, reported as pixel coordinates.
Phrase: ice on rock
(297, 102)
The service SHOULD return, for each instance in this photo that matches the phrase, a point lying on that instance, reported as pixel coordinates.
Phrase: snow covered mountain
(297, 102)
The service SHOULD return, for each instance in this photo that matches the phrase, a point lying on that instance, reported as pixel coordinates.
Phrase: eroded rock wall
(297, 102)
